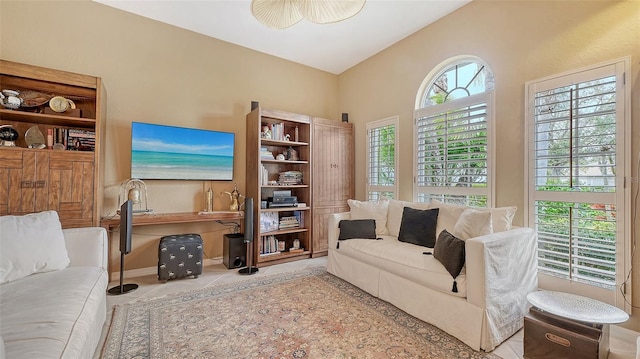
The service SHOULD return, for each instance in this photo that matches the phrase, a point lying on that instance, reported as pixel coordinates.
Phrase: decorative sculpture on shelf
(8, 136)
(235, 196)
(209, 201)
(135, 191)
(266, 133)
(291, 154)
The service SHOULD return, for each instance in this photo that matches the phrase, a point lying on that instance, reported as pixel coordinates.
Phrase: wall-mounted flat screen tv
(180, 153)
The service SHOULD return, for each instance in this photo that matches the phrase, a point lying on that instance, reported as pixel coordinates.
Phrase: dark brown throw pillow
(356, 228)
(419, 226)
(449, 250)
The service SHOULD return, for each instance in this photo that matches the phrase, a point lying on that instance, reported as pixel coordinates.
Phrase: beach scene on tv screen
(168, 152)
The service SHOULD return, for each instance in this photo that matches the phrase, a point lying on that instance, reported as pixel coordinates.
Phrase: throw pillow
(448, 216)
(394, 218)
(30, 244)
(371, 210)
(357, 228)
(473, 223)
(419, 226)
(502, 217)
(449, 251)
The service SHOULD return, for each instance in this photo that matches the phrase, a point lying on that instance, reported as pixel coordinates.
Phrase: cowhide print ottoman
(179, 256)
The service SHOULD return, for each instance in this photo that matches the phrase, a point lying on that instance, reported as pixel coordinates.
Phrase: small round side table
(572, 313)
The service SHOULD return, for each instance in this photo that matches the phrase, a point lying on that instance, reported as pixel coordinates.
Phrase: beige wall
(521, 41)
(159, 73)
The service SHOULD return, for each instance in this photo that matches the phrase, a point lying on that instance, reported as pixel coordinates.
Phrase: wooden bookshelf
(287, 125)
(69, 182)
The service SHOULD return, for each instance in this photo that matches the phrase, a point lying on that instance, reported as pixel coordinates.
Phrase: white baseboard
(141, 272)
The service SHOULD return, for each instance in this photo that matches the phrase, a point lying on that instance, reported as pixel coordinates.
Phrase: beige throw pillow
(371, 210)
(448, 216)
(30, 244)
(502, 217)
(473, 223)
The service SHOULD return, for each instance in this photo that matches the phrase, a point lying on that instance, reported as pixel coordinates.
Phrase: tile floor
(622, 341)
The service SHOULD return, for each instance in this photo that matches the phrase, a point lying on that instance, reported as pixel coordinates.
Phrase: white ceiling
(331, 47)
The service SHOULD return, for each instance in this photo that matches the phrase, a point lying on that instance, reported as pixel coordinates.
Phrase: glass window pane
(381, 158)
(575, 137)
(458, 81)
(577, 241)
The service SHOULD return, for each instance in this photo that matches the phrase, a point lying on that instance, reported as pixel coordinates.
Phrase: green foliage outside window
(386, 156)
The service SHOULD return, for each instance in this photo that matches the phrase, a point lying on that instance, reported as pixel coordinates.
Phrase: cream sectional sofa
(500, 268)
(53, 291)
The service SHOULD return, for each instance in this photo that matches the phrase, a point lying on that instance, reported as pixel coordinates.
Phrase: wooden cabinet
(333, 175)
(33, 180)
(278, 226)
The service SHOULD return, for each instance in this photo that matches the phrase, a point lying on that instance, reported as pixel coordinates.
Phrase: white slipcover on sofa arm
(87, 246)
(499, 264)
(501, 271)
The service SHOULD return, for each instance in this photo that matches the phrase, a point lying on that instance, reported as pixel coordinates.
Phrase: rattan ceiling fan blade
(328, 11)
(276, 14)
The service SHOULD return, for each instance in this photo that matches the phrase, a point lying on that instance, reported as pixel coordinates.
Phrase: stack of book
(290, 178)
(299, 216)
(269, 245)
(288, 222)
(81, 140)
(73, 138)
(277, 131)
(264, 175)
(265, 154)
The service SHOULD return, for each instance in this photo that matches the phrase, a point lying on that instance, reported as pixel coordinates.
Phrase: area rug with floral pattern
(304, 314)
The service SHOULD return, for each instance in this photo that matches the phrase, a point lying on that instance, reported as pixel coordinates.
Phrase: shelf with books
(282, 221)
(278, 161)
(280, 244)
(40, 148)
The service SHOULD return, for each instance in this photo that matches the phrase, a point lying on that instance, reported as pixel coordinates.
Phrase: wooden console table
(147, 219)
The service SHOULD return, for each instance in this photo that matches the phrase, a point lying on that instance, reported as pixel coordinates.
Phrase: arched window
(452, 134)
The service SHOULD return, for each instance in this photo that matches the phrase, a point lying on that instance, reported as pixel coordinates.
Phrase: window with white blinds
(575, 137)
(452, 151)
(452, 136)
(382, 164)
(576, 165)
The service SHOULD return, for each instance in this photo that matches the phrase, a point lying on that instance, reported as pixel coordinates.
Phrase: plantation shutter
(576, 167)
(452, 146)
(381, 159)
(580, 121)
